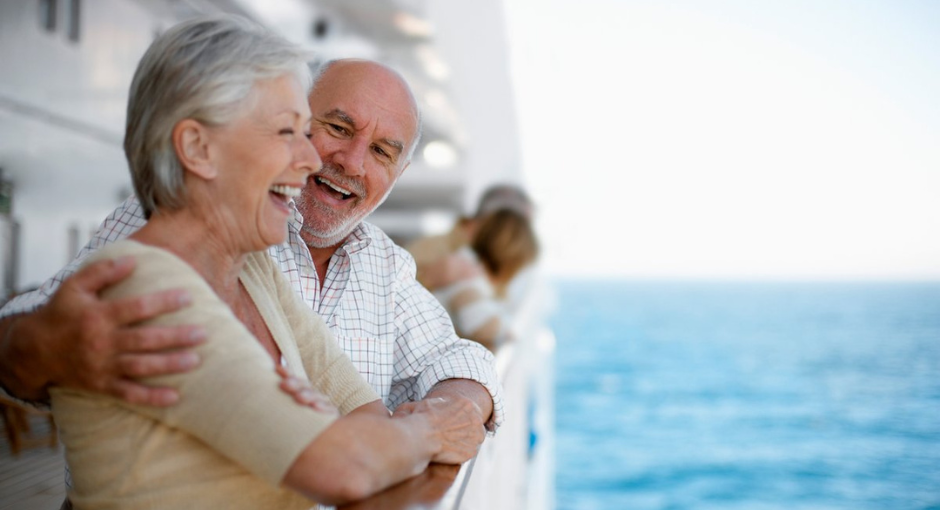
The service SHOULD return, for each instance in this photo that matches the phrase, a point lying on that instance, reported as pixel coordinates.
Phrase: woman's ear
(191, 143)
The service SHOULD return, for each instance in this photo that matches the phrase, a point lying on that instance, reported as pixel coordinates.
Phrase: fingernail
(123, 261)
(197, 334)
(292, 384)
(184, 299)
(189, 360)
(170, 399)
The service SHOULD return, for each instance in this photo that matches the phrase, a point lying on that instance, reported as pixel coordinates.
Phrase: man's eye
(339, 129)
(381, 152)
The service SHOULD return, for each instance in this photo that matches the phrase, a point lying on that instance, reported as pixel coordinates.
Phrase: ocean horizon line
(594, 278)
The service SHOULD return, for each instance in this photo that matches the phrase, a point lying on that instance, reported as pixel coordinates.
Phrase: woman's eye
(287, 131)
(308, 134)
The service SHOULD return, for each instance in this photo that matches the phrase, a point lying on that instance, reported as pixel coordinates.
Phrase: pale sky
(732, 139)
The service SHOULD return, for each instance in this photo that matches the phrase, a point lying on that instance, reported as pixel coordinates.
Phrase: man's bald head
(346, 69)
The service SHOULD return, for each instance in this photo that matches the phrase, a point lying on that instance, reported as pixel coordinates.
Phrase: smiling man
(365, 127)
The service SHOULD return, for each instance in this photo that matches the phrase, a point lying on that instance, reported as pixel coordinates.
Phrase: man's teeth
(287, 191)
(335, 187)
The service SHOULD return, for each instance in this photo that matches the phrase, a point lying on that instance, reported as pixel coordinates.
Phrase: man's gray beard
(332, 237)
(317, 239)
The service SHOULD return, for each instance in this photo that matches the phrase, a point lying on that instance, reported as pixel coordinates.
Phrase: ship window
(47, 14)
(75, 21)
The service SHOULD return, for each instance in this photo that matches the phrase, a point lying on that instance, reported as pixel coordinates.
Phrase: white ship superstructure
(67, 65)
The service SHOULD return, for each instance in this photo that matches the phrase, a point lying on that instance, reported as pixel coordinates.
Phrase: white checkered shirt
(397, 335)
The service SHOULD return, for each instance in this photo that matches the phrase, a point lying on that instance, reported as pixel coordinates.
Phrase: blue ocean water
(748, 396)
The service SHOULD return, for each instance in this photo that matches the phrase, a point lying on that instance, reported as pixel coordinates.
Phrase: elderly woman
(217, 146)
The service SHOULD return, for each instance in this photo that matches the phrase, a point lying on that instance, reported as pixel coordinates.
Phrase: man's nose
(351, 156)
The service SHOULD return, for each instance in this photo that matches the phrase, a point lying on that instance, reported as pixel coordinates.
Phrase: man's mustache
(337, 176)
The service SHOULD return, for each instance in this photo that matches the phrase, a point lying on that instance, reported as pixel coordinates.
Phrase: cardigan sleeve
(232, 401)
(329, 368)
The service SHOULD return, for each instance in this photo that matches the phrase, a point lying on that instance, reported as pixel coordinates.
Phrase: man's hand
(456, 424)
(458, 409)
(80, 341)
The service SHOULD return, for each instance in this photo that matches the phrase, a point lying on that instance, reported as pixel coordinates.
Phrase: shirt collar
(359, 239)
(296, 219)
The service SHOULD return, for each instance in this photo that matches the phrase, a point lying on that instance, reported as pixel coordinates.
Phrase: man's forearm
(18, 373)
(465, 388)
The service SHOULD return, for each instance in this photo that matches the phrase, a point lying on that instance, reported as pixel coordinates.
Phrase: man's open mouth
(333, 190)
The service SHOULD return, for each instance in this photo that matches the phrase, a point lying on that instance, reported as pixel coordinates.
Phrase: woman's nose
(308, 156)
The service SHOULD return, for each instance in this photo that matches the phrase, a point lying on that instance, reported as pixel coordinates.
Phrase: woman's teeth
(287, 191)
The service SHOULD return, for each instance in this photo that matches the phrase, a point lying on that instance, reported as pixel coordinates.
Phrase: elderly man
(365, 127)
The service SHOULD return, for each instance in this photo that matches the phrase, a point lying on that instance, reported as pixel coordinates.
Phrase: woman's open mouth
(283, 193)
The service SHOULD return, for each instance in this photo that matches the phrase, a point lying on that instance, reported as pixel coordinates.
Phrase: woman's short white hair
(201, 69)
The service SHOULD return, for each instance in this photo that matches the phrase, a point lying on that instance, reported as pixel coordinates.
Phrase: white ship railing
(515, 469)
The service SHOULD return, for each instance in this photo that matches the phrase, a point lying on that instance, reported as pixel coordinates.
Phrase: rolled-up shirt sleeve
(429, 350)
(122, 222)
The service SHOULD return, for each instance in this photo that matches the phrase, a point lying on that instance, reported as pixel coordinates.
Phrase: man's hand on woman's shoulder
(82, 341)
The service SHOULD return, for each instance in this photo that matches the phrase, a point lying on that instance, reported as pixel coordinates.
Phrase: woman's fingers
(304, 394)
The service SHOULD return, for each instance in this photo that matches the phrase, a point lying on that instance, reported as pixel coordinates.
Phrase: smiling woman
(217, 140)
(266, 158)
